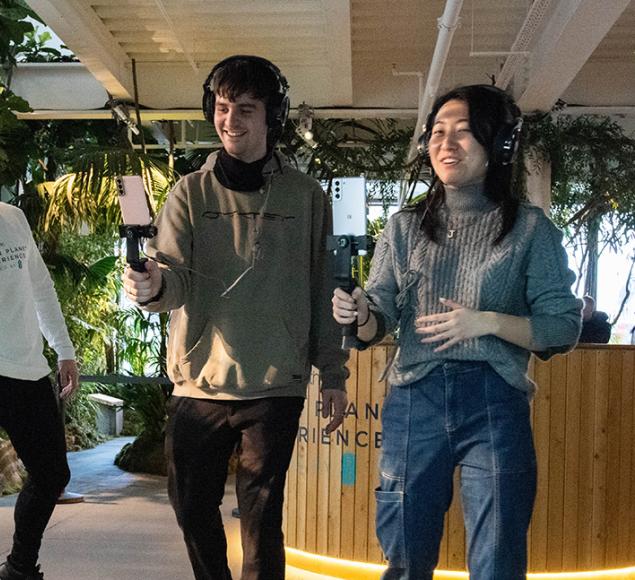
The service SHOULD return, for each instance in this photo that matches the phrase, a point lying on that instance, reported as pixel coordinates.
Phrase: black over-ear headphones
(277, 104)
(507, 138)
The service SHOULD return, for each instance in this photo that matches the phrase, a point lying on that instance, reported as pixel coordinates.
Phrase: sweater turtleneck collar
(238, 175)
(470, 198)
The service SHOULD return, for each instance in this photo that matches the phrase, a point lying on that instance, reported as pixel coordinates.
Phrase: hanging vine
(593, 172)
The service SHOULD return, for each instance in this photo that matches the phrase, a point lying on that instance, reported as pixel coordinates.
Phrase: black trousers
(29, 414)
(201, 436)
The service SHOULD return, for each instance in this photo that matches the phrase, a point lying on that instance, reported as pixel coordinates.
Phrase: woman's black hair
(491, 111)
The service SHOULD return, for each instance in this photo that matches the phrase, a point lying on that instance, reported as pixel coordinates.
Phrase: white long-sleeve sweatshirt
(30, 307)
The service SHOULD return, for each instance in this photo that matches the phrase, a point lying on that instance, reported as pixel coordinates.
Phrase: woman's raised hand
(457, 324)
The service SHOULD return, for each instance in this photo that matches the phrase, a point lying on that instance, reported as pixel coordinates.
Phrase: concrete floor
(125, 529)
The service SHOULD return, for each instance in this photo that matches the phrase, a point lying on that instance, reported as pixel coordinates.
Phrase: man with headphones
(240, 260)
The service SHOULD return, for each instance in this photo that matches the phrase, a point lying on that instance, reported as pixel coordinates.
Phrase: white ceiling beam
(524, 39)
(577, 110)
(569, 38)
(337, 37)
(180, 42)
(76, 23)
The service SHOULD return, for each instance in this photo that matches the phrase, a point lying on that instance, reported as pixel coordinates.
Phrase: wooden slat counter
(584, 432)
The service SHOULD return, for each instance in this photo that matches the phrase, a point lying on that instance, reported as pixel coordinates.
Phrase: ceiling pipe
(447, 25)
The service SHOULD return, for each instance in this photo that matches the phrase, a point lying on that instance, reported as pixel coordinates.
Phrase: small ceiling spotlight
(121, 113)
(305, 124)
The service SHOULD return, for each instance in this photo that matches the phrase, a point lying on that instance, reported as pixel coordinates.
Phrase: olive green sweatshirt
(249, 281)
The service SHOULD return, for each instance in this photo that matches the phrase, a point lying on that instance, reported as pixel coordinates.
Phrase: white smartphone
(133, 200)
(349, 206)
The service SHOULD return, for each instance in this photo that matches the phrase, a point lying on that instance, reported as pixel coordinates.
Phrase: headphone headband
(283, 85)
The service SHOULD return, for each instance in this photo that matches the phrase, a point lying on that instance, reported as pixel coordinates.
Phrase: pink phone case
(133, 200)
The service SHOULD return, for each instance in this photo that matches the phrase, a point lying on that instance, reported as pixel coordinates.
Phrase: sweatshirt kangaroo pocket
(249, 356)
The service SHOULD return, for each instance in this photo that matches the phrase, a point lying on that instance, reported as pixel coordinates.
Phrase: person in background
(595, 324)
(29, 410)
(240, 259)
(475, 280)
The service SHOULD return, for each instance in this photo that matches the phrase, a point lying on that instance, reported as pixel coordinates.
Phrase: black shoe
(8, 572)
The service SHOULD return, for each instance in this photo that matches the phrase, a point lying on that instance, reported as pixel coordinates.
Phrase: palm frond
(88, 197)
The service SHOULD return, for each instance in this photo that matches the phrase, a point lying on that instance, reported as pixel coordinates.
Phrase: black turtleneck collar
(238, 175)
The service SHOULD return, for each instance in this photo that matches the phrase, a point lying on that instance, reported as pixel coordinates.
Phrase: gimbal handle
(133, 234)
(345, 247)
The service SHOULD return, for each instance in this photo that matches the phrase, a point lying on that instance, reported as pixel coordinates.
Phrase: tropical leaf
(88, 197)
(15, 138)
(11, 102)
(103, 268)
(65, 265)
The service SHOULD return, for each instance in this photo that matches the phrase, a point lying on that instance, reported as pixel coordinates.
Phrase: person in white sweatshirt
(29, 411)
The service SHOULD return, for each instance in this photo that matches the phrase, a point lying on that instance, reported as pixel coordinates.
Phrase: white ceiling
(352, 54)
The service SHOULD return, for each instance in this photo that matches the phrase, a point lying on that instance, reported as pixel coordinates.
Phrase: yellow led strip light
(350, 570)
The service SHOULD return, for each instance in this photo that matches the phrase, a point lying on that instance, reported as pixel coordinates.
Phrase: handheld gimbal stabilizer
(345, 247)
(136, 217)
(134, 234)
(349, 229)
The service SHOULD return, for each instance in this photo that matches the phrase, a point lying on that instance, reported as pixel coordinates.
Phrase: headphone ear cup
(284, 110)
(209, 99)
(424, 150)
(277, 113)
(423, 144)
(506, 142)
(208, 105)
(276, 118)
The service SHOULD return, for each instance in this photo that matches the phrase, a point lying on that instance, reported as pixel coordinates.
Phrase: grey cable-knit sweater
(526, 274)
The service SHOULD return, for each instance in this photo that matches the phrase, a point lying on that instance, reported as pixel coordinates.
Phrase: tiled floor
(125, 529)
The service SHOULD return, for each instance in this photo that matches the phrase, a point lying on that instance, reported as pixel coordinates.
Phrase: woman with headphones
(475, 280)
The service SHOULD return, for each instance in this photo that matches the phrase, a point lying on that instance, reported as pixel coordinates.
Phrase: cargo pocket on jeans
(389, 523)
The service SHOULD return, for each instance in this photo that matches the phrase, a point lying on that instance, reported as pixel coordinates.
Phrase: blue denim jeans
(461, 414)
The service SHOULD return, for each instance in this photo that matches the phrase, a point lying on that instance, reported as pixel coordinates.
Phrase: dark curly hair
(246, 75)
